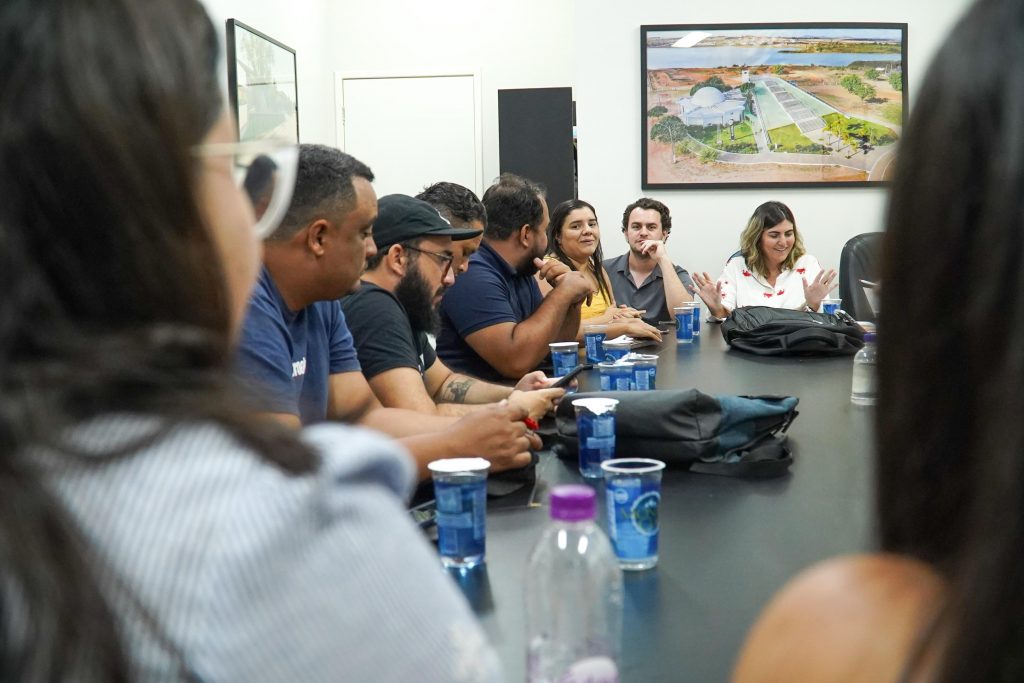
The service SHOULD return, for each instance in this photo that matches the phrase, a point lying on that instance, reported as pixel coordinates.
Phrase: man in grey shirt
(639, 276)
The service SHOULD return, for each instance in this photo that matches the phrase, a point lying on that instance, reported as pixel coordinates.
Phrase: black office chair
(858, 261)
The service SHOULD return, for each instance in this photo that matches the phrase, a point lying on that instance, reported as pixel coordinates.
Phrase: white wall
(707, 223)
(522, 44)
(592, 45)
(302, 26)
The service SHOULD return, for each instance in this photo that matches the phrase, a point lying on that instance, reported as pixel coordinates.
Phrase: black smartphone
(564, 380)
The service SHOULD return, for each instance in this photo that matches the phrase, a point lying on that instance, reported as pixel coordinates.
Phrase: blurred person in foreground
(942, 600)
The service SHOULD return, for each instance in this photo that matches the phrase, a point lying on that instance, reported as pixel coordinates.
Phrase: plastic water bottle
(573, 596)
(865, 387)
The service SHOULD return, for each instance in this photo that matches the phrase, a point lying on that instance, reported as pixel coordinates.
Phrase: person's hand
(625, 312)
(496, 433)
(551, 269)
(638, 329)
(656, 249)
(577, 284)
(532, 381)
(538, 403)
(824, 282)
(710, 291)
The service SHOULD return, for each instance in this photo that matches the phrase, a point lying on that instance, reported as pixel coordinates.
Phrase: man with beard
(494, 322)
(645, 278)
(395, 308)
(296, 350)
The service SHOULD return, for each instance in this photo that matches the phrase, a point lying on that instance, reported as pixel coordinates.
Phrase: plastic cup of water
(645, 370)
(593, 339)
(595, 431)
(695, 305)
(616, 376)
(614, 350)
(564, 356)
(684, 324)
(831, 305)
(633, 490)
(460, 490)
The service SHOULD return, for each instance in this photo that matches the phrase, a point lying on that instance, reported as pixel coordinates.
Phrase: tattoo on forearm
(456, 390)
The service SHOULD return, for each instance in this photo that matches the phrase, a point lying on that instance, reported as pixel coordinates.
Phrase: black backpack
(768, 331)
(738, 436)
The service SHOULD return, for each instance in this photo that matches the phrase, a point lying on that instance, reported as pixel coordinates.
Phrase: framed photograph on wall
(262, 85)
(771, 105)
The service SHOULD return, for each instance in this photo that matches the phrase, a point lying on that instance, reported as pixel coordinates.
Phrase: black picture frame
(823, 137)
(265, 100)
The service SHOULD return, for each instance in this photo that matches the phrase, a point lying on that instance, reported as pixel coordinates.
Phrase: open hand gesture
(824, 282)
(711, 292)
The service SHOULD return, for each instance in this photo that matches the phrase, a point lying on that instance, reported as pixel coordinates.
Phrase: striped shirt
(221, 567)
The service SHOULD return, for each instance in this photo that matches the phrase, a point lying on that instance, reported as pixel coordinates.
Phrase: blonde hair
(766, 217)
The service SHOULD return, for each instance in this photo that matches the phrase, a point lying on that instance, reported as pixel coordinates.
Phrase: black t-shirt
(384, 339)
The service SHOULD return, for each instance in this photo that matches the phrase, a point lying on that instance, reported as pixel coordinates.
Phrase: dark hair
(455, 202)
(765, 217)
(648, 203)
(114, 300)
(511, 203)
(558, 217)
(323, 185)
(949, 474)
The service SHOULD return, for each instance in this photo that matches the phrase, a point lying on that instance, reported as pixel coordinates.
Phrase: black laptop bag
(767, 331)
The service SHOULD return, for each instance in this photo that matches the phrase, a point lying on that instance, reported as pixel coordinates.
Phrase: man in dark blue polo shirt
(494, 322)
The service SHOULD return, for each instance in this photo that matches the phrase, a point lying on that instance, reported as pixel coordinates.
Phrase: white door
(412, 130)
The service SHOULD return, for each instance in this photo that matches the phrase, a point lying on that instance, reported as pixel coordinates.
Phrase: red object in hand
(531, 423)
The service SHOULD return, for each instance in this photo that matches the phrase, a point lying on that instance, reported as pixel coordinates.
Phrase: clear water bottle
(573, 596)
(865, 386)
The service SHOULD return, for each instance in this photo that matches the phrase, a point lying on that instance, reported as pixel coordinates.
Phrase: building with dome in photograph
(710, 106)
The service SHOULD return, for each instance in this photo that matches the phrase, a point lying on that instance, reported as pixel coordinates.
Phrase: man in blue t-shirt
(295, 347)
(494, 322)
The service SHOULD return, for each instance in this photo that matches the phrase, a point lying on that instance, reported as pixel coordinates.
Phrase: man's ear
(315, 236)
(525, 234)
(397, 259)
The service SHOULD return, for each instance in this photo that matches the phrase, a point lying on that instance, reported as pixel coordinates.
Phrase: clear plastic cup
(460, 490)
(593, 340)
(617, 376)
(633, 490)
(684, 324)
(696, 306)
(595, 431)
(564, 357)
(614, 350)
(645, 371)
(831, 305)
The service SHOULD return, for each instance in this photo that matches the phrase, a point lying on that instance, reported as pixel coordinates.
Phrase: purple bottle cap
(573, 502)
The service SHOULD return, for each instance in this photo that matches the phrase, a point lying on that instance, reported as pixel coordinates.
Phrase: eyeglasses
(446, 259)
(263, 169)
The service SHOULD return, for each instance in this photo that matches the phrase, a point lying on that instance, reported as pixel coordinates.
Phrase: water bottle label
(591, 670)
(603, 426)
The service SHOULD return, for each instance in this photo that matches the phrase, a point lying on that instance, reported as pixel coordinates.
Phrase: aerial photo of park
(771, 105)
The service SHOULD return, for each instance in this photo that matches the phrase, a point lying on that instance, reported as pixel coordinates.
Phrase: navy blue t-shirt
(490, 292)
(288, 356)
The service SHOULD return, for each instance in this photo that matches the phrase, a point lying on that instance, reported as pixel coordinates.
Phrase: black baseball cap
(401, 217)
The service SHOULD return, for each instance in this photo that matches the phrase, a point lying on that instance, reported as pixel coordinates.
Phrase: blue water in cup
(684, 325)
(615, 351)
(595, 432)
(633, 491)
(461, 519)
(831, 306)
(645, 372)
(615, 376)
(696, 318)
(594, 342)
(563, 357)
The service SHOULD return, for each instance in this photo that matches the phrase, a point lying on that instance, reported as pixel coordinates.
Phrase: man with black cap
(296, 349)
(395, 308)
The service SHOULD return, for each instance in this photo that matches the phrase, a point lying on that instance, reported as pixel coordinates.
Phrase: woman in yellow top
(574, 238)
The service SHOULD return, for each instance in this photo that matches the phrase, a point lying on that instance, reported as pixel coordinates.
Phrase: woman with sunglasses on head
(942, 601)
(772, 268)
(150, 527)
(574, 238)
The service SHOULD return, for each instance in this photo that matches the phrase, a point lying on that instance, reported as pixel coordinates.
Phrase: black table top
(726, 544)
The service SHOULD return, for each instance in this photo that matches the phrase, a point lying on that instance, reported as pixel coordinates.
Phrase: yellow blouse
(598, 303)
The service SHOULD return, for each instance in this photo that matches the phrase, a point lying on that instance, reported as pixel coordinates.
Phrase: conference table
(726, 545)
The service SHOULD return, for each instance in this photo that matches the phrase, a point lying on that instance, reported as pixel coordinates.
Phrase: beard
(527, 268)
(415, 295)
